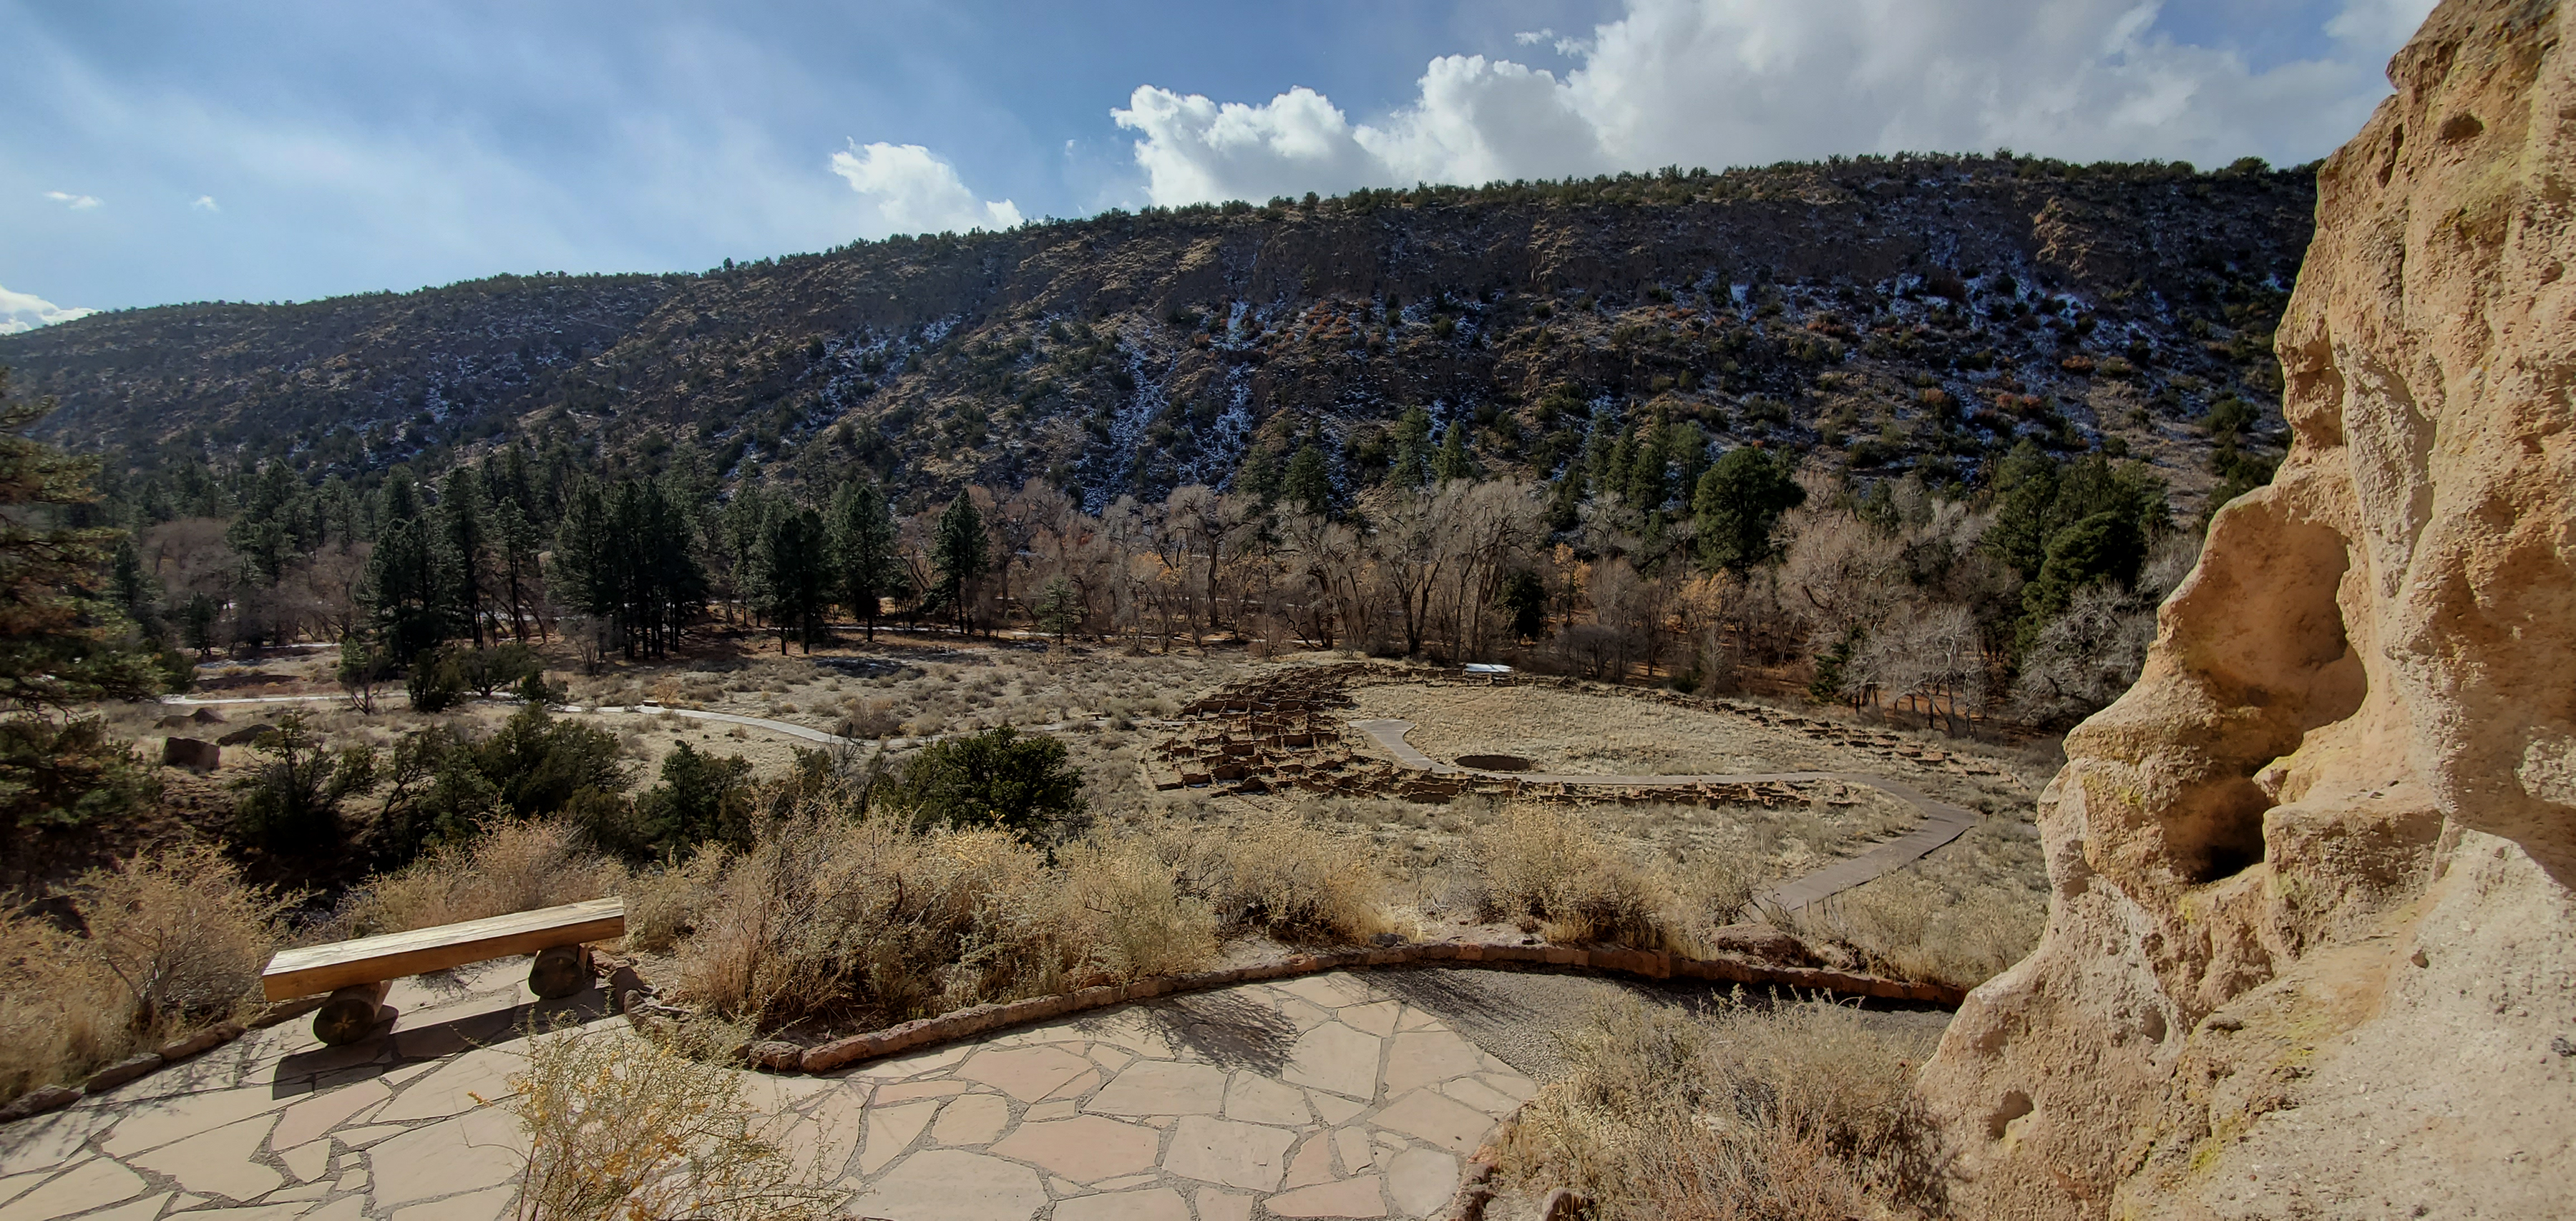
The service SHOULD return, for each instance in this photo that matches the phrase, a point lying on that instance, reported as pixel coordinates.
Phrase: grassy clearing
(1791, 1112)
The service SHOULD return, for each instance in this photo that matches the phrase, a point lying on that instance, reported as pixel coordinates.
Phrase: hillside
(1907, 313)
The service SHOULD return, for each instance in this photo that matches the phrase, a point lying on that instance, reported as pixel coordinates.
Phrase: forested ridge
(1888, 314)
(1932, 431)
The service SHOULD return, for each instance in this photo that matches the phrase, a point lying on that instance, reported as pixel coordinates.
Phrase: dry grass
(174, 942)
(1959, 916)
(830, 919)
(1787, 1113)
(512, 867)
(621, 1129)
(1547, 869)
(1281, 875)
(1135, 916)
(1907, 926)
(1551, 870)
(834, 921)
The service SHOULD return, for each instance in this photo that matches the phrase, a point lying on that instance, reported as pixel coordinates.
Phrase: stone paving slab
(1321, 1096)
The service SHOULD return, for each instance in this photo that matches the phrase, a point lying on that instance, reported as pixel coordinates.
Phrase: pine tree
(517, 542)
(1309, 485)
(582, 577)
(466, 536)
(60, 642)
(960, 555)
(1412, 457)
(1059, 609)
(264, 533)
(1738, 502)
(134, 593)
(1452, 461)
(794, 575)
(411, 578)
(862, 544)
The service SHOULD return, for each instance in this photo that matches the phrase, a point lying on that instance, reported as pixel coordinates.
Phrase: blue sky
(196, 151)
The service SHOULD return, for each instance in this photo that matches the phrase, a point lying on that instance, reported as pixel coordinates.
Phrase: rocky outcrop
(2309, 947)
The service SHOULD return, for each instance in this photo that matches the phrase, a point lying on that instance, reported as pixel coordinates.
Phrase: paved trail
(1326, 1095)
(1942, 822)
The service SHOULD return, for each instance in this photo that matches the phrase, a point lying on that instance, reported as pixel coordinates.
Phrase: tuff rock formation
(2309, 946)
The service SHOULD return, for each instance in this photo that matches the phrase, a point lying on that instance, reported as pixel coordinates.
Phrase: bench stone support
(560, 971)
(350, 1013)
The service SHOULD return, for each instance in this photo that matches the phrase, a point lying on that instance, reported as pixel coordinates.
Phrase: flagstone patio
(1322, 1096)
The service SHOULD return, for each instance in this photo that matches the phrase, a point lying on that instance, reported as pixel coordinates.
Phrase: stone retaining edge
(1650, 964)
(46, 1098)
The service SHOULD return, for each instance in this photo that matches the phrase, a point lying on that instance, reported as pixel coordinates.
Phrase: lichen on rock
(2309, 945)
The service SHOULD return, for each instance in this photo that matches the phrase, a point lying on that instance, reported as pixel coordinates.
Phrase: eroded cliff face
(2311, 948)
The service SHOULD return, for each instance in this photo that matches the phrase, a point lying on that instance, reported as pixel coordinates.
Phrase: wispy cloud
(206, 203)
(76, 203)
(26, 312)
(912, 191)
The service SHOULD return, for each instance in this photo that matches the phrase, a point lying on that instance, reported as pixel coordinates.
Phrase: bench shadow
(387, 1048)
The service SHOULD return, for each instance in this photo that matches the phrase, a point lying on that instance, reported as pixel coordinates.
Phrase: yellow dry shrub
(60, 1013)
(874, 921)
(1281, 875)
(1790, 1112)
(623, 1129)
(856, 922)
(174, 942)
(1548, 865)
(1714, 889)
(1133, 916)
(663, 905)
(515, 866)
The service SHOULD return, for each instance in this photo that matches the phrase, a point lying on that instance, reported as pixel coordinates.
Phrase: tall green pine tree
(960, 555)
(862, 541)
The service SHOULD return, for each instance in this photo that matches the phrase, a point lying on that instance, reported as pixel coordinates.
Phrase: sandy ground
(1570, 731)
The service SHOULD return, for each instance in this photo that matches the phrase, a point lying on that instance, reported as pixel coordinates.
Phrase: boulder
(2311, 934)
(190, 753)
(206, 716)
(246, 736)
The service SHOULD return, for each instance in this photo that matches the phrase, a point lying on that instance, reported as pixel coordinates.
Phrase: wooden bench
(358, 973)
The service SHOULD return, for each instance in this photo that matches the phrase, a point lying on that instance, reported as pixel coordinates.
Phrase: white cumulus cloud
(1748, 82)
(26, 312)
(74, 202)
(912, 191)
(206, 203)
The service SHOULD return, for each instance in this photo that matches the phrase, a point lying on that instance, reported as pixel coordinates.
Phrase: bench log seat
(357, 973)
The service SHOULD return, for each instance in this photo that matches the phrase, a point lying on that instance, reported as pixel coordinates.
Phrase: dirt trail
(1942, 822)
